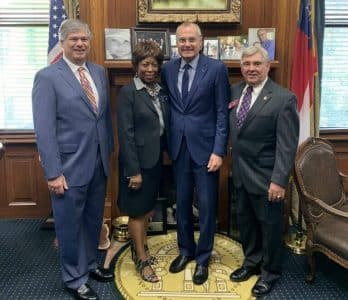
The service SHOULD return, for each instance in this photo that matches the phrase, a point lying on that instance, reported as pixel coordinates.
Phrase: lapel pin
(233, 103)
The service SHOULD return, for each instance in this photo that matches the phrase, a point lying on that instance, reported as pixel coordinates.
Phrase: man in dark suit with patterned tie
(74, 135)
(264, 127)
(198, 92)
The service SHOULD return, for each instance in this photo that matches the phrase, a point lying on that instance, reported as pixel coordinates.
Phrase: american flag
(57, 16)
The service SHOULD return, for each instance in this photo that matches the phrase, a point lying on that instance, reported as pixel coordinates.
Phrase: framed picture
(158, 35)
(211, 47)
(174, 53)
(117, 44)
(231, 47)
(200, 11)
(264, 37)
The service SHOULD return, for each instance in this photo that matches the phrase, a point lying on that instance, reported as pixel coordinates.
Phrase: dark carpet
(29, 269)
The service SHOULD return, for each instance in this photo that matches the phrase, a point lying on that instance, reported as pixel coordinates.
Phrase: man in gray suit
(264, 127)
(73, 129)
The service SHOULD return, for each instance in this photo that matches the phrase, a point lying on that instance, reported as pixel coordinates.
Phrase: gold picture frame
(149, 12)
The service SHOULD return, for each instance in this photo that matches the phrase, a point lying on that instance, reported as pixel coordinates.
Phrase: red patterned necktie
(244, 107)
(86, 85)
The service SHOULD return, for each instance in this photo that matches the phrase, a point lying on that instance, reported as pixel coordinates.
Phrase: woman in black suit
(141, 116)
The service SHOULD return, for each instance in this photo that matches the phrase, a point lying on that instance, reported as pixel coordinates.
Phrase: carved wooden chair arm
(327, 208)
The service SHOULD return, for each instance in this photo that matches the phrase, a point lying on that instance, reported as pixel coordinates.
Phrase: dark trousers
(78, 218)
(260, 225)
(187, 176)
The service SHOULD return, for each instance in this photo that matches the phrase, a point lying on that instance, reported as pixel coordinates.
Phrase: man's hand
(215, 162)
(135, 182)
(57, 185)
(276, 192)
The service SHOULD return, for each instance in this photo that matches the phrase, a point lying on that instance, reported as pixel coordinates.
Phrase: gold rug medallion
(226, 257)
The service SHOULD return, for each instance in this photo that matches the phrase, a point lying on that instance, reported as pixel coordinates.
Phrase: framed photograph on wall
(117, 44)
(264, 37)
(211, 47)
(231, 47)
(200, 11)
(174, 53)
(158, 35)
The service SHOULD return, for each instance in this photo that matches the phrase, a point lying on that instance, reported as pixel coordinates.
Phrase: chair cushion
(332, 232)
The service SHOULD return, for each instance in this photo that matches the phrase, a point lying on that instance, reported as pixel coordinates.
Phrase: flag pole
(296, 241)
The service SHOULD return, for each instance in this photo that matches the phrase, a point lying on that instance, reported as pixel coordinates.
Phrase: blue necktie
(185, 84)
(244, 107)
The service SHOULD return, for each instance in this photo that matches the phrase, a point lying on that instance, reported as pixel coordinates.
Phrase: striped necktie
(244, 107)
(86, 85)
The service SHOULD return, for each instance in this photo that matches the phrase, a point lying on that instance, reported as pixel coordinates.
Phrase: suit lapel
(163, 99)
(202, 69)
(147, 100)
(70, 78)
(99, 85)
(176, 66)
(263, 98)
(233, 113)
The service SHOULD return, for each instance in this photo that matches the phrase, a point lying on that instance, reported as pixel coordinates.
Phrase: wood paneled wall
(23, 190)
(255, 13)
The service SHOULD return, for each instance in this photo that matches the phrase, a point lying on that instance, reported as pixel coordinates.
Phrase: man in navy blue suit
(74, 136)
(199, 92)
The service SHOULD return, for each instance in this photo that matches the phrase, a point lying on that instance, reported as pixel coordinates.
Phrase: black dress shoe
(84, 292)
(243, 274)
(102, 275)
(179, 263)
(261, 287)
(201, 274)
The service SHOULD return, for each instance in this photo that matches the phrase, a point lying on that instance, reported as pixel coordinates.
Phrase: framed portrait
(117, 44)
(211, 47)
(264, 37)
(174, 53)
(158, 35)
(231, 47)
(200, 11)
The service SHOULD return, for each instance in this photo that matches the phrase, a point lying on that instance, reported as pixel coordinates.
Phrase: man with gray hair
(198, 94)
(72, 122)
(264, 127)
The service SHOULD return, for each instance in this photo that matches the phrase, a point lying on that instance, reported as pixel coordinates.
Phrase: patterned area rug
(227, 256)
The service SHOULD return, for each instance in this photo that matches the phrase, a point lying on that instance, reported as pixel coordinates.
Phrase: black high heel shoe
(141, 265)
(152, 259)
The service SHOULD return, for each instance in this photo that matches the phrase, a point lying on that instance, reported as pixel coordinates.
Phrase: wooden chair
(323, 201)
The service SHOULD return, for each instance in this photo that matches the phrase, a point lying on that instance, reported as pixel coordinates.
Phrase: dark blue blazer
(68, 132)
(204, 119)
